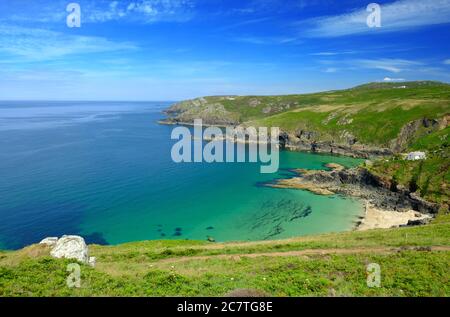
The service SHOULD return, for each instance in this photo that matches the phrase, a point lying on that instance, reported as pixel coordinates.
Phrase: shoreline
(190, 124)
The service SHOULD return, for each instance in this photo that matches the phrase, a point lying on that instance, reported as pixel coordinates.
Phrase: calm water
(103, 171)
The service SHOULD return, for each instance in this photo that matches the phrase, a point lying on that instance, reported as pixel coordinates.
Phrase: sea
(103, 170)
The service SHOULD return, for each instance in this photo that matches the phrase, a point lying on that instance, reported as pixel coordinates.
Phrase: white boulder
(71, 247)
(50, 241)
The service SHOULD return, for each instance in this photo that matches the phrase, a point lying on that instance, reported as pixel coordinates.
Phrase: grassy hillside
(431, 177)
(373, 113)
(414, 262)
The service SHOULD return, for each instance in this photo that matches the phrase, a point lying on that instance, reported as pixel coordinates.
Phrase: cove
(104, 171)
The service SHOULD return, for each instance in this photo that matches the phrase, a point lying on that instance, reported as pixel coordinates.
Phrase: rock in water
(71, 247)
(50, 241)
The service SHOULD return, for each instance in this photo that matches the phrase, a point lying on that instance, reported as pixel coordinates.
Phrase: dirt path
(379, 250)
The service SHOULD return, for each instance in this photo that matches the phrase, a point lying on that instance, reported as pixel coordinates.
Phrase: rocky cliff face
(349, 145)
(417, 128)
(311, 141)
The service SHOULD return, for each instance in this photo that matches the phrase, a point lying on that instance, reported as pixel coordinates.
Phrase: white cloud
(389, 79)
(399, 15)
(447, 62)
(331, 70)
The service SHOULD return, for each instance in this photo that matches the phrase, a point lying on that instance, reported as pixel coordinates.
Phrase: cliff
(377, 119)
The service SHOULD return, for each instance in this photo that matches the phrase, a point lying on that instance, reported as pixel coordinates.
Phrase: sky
(143, 50)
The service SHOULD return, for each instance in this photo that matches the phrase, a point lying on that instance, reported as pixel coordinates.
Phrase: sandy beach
(378, 218)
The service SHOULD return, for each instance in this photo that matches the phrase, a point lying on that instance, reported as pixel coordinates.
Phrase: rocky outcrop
(69, 247)
(358, 182)
(50, 241)
(418, 222)
(298, 183)
(212, 113)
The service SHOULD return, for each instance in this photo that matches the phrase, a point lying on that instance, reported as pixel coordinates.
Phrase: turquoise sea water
(104, 171)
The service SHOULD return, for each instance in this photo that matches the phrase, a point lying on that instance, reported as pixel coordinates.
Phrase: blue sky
(179, 49)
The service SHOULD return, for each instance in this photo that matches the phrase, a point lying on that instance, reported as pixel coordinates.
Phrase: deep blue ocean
(103, 170)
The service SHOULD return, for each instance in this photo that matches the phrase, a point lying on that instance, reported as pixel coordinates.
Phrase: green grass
(437, 142)
(175, 268)
(408, 273)
(368, 123)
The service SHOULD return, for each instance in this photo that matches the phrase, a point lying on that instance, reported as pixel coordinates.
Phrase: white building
(415, 156)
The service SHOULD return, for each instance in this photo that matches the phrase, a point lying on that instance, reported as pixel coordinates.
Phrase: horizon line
(223, 95)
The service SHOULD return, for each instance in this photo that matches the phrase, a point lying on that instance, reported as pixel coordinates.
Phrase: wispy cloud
(267, 40)
(399, 15)
(387, 64)
(332, 53)
(245, 23)
(99, 11)
(410, 68)
(141, 10)
(389, 79)
(252, 7)
(447, 62)
(39, 44)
